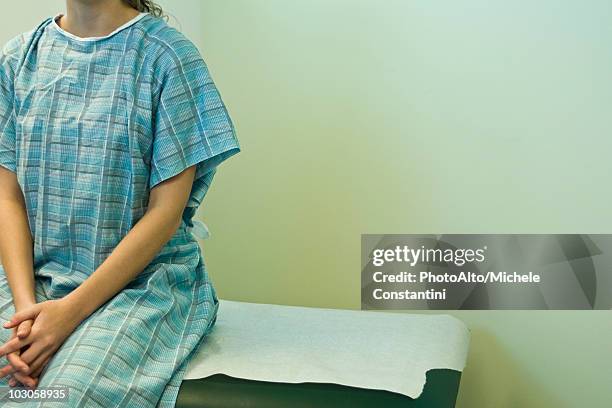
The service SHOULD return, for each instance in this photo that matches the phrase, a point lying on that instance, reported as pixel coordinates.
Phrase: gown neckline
(97, 38)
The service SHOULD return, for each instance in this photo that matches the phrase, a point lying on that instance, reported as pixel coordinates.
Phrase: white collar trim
(87, 39)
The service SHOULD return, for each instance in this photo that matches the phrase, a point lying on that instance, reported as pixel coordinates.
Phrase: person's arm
(138, 248)
(16, 250)
(55, 320)
(16, 257)
(16, 241)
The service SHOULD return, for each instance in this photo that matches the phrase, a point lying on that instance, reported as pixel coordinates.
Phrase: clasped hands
(38, 331)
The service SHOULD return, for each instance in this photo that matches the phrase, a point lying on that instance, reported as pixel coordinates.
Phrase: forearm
(16, 251)
(128, 259)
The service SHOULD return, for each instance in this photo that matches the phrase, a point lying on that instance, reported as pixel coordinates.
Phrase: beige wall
(363, 116)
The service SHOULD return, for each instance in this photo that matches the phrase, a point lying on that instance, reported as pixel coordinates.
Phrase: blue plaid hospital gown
(89, 126)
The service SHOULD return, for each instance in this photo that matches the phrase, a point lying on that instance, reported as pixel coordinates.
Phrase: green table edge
(222, 391)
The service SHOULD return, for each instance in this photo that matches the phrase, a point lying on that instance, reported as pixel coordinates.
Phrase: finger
(23, 330)
(13, 345)
(6, 370)
(12, 382)
(17, 362)
(34, 352)
(39, 365)
(40, 369)
(21, 316)
(25, 379)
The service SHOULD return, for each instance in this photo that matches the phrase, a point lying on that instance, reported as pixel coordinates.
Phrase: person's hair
(146, 6)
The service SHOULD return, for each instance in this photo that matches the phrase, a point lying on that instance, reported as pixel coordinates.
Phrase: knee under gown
(90, 126)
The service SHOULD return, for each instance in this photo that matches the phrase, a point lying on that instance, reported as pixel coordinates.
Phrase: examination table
(271, 356)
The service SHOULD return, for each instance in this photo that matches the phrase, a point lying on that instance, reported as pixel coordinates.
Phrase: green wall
(399, 116)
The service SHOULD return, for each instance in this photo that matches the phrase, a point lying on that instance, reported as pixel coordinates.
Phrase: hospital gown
(90, 126)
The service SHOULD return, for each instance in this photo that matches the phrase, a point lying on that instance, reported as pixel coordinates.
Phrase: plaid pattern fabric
(90, 126)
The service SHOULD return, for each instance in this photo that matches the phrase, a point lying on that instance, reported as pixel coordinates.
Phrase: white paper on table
(366, 349)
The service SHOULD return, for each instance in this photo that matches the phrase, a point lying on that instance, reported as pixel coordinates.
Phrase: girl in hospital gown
(89, 126)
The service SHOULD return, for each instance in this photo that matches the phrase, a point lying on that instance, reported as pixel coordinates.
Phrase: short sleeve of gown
(7, 114)
(191, 124)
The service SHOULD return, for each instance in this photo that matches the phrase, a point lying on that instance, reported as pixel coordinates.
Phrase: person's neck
(94, 18)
